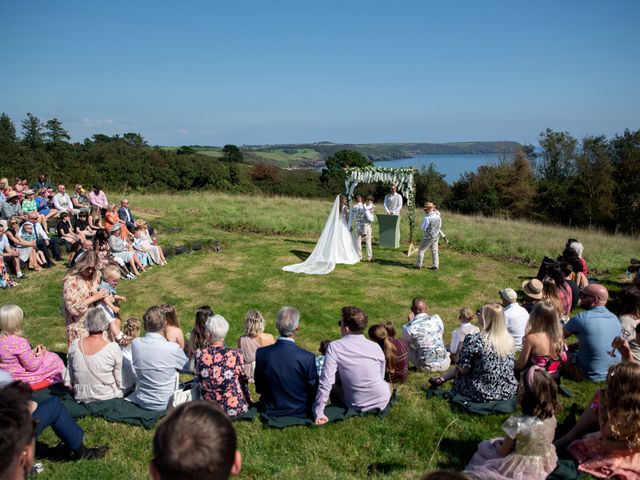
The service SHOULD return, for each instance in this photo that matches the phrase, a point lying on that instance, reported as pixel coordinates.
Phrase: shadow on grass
(392, 263)
(302, 255)
(457, 452)
(306, 242)
(384, 467)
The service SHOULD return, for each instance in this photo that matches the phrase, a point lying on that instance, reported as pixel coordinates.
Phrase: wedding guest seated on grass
(95, 365)
(172, 331)
(252, 339)
(197, 337)
(22, 421)
(286, 376)
(630, 317)
(614, 450)
(195, 442)
(487, 359)
(359, 363)
(459, 334)
(222, 378)
(595, 328)
(543, 344)
(424, 334)
(515, 316)
(32, 366)
(131, 330)
(396, 352)
(148, 243)
(156, 362)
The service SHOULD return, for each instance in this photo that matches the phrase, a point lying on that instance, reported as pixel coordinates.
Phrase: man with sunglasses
(595, 328)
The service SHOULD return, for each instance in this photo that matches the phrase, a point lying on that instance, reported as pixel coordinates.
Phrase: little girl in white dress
(527, 452)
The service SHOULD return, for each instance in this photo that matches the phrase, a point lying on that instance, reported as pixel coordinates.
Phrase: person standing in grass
(393, 201)
(431, 227)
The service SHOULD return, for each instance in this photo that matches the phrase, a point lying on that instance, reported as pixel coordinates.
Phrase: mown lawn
(260, 235)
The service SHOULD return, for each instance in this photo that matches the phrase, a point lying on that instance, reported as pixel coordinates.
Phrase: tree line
(594, 182)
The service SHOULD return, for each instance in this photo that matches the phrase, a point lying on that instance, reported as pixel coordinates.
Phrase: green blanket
(114, 410)
(484, 408)
(334, 413)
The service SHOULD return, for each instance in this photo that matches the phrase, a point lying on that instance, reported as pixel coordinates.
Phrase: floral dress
(490, 377)
(222, 378)
(74, 291)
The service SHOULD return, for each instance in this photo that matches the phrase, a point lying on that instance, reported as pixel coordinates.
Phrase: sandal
(436, 381)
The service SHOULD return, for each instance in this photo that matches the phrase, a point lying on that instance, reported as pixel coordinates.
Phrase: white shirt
(459, 334)
(38, 231)
(360, 214)
(517, 318)
(4, 244)
(393, 203)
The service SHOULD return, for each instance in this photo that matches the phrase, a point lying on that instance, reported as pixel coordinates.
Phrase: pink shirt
(99, 200)
(19, 361)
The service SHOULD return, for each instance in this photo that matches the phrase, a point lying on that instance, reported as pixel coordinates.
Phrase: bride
(335, 244)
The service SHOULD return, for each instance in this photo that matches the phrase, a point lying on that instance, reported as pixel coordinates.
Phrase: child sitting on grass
(527, 452)
(458, 335)
(614, 451)
(111, 303)
(320, 358)
(131, 330)
(172, 332)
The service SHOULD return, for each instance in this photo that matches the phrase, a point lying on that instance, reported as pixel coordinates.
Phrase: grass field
(259, 235)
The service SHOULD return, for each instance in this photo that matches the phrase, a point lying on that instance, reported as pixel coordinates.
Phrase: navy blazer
(122, 214)
(286, 379)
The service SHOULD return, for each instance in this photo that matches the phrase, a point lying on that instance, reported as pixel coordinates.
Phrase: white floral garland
(401, 177)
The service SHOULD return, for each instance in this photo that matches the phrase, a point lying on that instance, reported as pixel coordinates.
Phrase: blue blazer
(286, 379)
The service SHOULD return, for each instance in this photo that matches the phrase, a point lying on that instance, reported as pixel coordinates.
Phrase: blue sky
(255, 72)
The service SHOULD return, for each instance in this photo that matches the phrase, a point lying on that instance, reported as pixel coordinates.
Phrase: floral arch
(401, 177)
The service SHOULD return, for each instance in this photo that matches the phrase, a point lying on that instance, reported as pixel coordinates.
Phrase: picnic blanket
(334, 413)
(478, 408)
(114, 410)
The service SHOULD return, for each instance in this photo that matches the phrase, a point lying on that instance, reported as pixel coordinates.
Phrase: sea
(451, 165)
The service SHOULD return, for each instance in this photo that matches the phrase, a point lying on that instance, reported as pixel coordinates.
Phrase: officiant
(393, 201)
(389, 224)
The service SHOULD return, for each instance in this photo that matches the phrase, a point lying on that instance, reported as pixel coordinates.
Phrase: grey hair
(96, 320)
(288, 321)
(216, 328)
(577, 247)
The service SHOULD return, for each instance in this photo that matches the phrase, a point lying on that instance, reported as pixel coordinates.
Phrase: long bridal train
(334, 246)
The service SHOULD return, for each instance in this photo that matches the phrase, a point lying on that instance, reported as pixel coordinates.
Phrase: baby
(458, 335)
(110, 303)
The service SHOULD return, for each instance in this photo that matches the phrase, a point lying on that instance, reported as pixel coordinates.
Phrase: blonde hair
(170, 315)
(544, 319)
(494, 332)
(110, 272)
(550, 294)
(253, 323)
(11, 318)
(619, 413)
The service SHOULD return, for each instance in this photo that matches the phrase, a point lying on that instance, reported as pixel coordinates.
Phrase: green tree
(430, 186)
(7, 130)
(335, 164)
(625, 155)
(134, 139)
(185, 150)
(54, 133)
(593, 184)
(555, 170)
(232, 154)
(32, 136)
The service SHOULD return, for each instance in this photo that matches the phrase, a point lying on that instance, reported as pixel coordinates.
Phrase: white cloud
(87, 122)
(184, 131)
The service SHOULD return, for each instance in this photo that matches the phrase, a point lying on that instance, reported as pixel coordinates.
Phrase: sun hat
(115, 227)
(533, 288)
(508, 294)
(11, 194)
(29, 192)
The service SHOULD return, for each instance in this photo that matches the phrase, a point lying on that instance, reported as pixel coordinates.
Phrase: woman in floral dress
(222, 378)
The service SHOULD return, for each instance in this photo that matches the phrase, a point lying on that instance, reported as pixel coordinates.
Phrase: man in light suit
(286, 376)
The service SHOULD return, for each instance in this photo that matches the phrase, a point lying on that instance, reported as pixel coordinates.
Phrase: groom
(363, 218)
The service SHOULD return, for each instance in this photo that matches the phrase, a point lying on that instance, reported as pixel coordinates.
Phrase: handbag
(191, 391)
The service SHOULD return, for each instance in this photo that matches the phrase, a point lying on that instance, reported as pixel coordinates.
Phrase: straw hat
(533, 288)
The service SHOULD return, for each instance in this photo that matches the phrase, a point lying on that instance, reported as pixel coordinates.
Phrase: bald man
(595, 328)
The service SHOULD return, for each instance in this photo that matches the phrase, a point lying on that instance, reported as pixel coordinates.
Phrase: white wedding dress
(334, 246)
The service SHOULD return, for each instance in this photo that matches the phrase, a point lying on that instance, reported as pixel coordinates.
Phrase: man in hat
(393, 202)
(11, 208)
(48, 246)
(515, 316)
(533, 293)
(431, 226)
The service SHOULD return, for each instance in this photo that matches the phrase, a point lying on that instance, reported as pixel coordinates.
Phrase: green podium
(389, 226)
